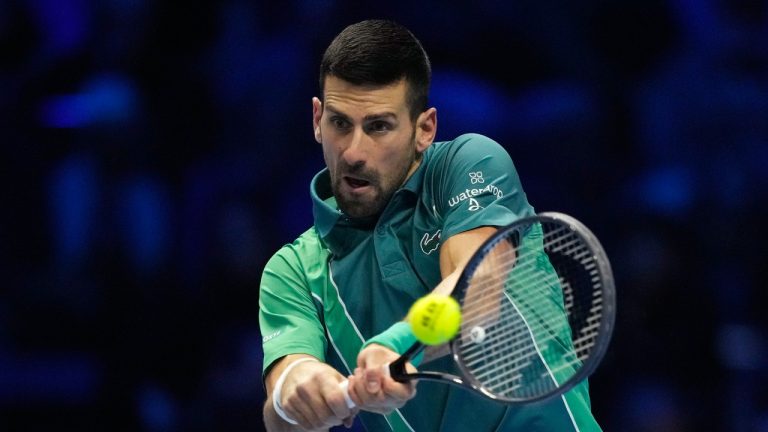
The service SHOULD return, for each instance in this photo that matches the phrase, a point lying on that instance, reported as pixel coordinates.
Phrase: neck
(411, 170)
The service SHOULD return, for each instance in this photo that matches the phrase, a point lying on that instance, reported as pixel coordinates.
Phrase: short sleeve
(479, 186)
(288, 318)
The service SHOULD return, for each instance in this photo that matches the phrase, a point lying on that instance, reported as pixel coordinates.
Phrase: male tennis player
(395, 217)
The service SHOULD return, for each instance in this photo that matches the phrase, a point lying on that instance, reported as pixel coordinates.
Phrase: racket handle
(344, 386)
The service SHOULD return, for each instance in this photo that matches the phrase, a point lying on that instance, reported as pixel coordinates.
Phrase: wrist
(398, 338)
(277, 391)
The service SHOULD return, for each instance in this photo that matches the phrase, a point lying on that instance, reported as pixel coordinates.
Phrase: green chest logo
(430, 243)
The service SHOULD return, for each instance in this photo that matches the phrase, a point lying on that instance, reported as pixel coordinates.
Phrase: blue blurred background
(155, 154)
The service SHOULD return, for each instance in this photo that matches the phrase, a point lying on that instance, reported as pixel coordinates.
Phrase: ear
(426, 129)
(317, 114)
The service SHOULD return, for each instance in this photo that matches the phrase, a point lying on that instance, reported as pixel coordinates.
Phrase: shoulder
(300, 255)
(466, 146)
(467, 142)
(467, 150)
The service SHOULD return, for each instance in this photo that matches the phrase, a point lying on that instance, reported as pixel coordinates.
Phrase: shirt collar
(324, 207)
(338, 231)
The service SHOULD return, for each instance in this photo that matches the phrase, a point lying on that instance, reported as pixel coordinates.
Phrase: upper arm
(458, 249)
(479, 190)
(288, 318)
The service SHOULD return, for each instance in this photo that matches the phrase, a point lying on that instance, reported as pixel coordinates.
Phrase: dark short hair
(379, 52)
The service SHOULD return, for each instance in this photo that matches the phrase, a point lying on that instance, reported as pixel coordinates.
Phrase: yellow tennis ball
(435, 318)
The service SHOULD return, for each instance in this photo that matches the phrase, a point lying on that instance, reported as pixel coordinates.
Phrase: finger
(372, 381)
(399, 391)
(360, 394)
(337, 397)
(300, 412)
(354, 400)
(315, 408)
(376, 401)
(357, 391)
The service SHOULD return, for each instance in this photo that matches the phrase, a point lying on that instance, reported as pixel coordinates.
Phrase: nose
(356, 152)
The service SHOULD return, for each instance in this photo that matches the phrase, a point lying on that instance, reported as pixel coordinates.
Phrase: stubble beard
(384, 187)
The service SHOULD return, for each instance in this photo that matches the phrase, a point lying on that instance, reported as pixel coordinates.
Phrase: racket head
(538, 305)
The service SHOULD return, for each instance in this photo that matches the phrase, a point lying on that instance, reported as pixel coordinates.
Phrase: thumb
(373, 379)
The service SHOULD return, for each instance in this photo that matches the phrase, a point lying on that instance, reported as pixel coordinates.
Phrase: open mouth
(356, 183)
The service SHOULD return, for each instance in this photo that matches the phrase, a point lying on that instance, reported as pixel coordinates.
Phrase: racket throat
(397, 368)
(447, 379)
(434, 376)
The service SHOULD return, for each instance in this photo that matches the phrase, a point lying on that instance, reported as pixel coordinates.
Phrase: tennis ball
(435, 318)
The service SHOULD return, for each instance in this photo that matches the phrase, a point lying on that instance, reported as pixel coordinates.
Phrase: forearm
(444, 287)
(449, 281)
(454, 256)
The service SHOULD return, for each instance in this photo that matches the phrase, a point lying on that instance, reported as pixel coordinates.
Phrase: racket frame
(607, 322)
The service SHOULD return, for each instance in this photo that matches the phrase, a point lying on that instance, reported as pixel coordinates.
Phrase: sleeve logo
(470, 193)
(271, 336)
(476, 177)
(474, 205)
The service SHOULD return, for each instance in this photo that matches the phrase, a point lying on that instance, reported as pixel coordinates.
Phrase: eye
(339, 123)
(379, 126)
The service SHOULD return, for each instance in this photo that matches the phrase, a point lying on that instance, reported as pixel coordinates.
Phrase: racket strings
(476, 310)
(509, 261)
(486, 295)
(509, 334)
(525, 378)
(512, 355)
(514, 361)
(502, 366)
(514, 358)
(514, 337)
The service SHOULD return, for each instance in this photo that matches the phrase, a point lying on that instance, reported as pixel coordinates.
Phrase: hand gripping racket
(538, 308)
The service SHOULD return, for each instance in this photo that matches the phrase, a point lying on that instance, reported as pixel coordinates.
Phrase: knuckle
(303, 391)
(292, 399)
(335, 402)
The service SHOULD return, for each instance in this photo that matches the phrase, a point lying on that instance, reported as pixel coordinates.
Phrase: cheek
(394, 165)
(329, 154)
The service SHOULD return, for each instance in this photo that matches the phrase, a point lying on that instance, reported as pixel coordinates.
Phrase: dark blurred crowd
(155, 154)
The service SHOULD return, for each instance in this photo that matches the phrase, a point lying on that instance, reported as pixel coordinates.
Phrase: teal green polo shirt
(346, 280)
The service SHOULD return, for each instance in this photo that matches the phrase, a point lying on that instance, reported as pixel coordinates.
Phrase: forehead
(344, 97)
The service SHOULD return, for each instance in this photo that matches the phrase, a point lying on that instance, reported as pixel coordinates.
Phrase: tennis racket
(538, 308)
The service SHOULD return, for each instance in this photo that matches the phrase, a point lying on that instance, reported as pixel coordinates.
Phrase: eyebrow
(377, 116)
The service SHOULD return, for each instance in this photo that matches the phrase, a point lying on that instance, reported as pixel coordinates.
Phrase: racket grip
(344, 386)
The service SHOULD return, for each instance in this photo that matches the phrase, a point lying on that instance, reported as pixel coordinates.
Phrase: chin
(358, 209)
(358, 212)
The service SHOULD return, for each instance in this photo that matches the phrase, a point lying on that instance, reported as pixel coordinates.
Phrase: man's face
(370, 144)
